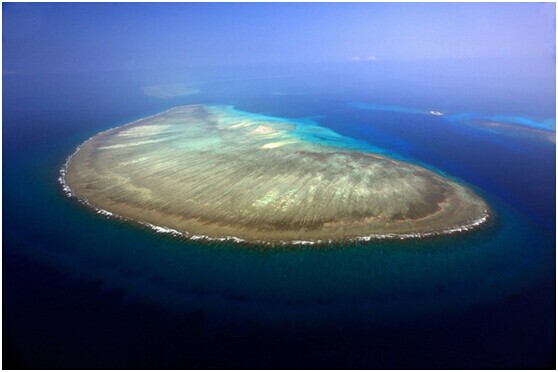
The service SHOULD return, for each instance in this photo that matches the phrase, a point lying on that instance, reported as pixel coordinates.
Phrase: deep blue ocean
(84, 291)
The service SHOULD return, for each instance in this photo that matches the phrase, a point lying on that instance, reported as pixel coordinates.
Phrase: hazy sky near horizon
(102, 36)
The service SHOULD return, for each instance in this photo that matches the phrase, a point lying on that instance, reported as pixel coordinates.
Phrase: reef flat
(218, 173)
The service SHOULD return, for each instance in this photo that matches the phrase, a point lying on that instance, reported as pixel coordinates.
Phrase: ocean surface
(81, 290)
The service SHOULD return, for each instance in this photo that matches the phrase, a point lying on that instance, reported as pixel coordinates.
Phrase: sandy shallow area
(214, 172)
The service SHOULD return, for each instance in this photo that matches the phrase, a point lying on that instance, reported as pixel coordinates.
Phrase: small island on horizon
(214, 172)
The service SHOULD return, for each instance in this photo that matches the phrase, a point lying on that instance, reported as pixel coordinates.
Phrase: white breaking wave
(105, 212)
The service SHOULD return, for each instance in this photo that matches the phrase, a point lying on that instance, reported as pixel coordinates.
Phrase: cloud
(360, 59)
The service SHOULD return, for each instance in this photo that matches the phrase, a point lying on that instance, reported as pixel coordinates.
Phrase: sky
(133, 36)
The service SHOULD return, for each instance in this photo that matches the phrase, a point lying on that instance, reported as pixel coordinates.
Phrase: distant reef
(167, 91)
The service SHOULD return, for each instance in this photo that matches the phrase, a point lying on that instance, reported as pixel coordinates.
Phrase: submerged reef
(217, 173)
(169, 91)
